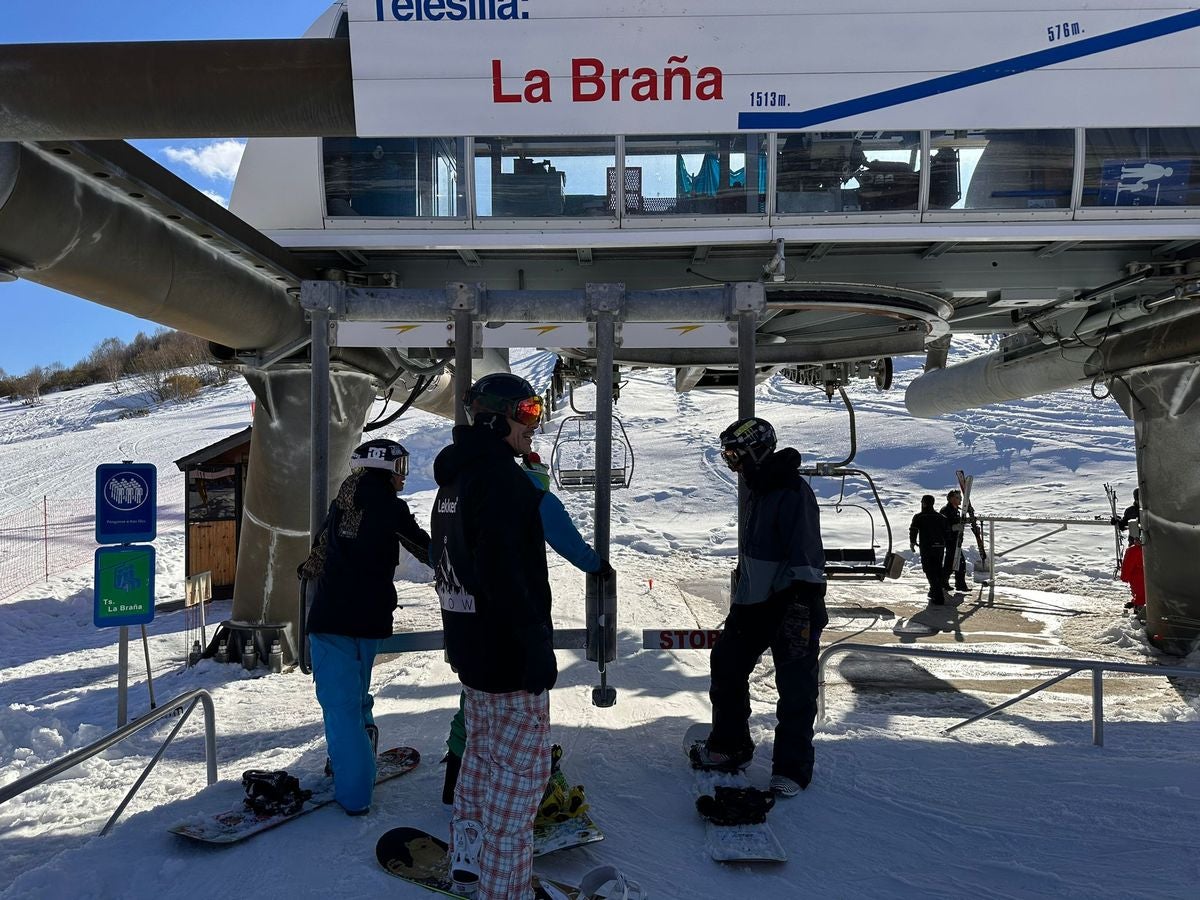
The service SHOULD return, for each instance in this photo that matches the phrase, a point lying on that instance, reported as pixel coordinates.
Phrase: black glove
(1114, 521)
(541, 667)
(605, 571)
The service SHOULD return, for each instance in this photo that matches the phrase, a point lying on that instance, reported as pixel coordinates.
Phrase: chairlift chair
(572, 461)
(858, 562)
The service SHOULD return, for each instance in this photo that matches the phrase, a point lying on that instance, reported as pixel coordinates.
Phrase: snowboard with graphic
(731, 843)
(237, 824)
(420, 858)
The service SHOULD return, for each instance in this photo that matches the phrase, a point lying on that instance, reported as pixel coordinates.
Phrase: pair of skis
(1119, 540)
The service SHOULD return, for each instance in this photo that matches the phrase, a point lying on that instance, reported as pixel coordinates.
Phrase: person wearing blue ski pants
(342, 671)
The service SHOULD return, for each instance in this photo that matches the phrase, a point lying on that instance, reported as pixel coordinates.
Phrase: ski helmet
(380, 453)
(505, 395)
(747, 440)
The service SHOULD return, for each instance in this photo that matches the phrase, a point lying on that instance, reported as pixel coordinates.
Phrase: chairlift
(856, 562)
(573, 459)
(860, 561)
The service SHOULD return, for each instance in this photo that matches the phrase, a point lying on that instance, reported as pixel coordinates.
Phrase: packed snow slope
(1017, 805)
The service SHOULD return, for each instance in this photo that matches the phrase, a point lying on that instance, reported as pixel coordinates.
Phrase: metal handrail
(33, 779)
(1097, 668)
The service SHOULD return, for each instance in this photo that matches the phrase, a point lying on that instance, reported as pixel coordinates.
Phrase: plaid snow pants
(503, 776)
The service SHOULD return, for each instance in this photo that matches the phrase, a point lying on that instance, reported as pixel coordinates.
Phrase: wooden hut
(215, 478)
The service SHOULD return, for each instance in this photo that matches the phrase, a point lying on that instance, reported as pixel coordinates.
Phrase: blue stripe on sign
(769, 121)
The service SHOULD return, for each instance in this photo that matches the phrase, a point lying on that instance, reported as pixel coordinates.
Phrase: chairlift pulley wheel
(883, 373)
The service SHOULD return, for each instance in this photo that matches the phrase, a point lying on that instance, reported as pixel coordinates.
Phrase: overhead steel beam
(176, 89)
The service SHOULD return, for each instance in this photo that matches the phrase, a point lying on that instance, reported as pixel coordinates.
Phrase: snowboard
(420, 858)
(239, 823)
(732, 843)
(549, 836)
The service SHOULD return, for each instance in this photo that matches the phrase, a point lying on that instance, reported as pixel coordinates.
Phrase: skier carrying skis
(351, 569)
(778, 602)
(954, 540)
(567, 542)
(490, 568)
(929, 529)
(1132, 513)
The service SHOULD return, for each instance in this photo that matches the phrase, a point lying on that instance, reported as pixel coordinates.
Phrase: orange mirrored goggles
(528, 411)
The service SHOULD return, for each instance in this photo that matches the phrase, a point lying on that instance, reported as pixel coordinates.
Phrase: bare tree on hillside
(108, 359)
(29, 386)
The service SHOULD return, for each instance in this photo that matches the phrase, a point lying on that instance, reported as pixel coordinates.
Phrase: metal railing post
(1097, 667)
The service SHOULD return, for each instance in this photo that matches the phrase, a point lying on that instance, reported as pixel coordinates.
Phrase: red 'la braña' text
(592, 81)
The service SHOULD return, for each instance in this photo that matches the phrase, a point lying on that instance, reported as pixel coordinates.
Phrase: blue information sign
(124, 586)
(126, 503)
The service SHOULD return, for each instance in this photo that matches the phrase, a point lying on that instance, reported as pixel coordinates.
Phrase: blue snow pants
(342, 672)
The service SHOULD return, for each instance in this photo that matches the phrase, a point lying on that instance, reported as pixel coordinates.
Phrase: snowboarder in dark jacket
(778, 602)
(351, 570)
(564, 537)
(490, 568)
(928, 529)
(954, 540)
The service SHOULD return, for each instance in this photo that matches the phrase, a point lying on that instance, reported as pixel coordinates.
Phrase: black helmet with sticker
(381, 453)
(747, 440)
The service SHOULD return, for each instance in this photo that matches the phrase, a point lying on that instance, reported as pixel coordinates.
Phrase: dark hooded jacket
(781, 544)
(489, 556)
(928, 529)
(354, 561)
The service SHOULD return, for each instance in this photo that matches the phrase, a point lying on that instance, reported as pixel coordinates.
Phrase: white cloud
(219, 160)
(216, 198)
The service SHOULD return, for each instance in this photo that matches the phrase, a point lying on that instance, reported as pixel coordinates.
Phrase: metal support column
(319, 299)
(605, 302)
(464, 304)
(746, 301)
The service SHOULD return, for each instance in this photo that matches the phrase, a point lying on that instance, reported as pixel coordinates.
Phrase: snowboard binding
(736, 806)
(464, 857)
(270, 793)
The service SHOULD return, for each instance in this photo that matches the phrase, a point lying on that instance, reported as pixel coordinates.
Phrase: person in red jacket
(1133, 570)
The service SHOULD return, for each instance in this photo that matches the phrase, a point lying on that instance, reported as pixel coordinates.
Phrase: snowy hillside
(1021, 805)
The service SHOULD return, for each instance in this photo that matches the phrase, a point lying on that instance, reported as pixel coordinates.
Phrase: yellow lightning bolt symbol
(684, 329)
(402, 329)
(543, 330)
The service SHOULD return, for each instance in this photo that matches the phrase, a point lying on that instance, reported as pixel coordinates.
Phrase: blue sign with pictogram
(124, 586)
(126, 503)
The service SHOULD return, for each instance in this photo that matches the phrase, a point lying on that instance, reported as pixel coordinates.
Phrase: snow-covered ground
(1020, 805)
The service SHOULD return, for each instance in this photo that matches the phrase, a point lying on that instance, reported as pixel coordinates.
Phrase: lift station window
(539, 178)
(698, 175)
(1141, 167)
(848, 171)
(394, 177)
(998, 169)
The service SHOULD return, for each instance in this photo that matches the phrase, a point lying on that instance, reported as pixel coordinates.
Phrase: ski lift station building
(727, 190)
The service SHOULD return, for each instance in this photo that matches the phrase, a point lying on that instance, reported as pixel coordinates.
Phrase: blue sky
(45, 326)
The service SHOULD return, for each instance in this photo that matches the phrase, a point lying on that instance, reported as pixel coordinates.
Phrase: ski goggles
(528, 411)
(397, 466)
(733, 456)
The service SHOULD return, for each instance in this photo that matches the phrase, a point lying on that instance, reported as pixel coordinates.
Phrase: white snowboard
(732, 843)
